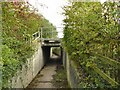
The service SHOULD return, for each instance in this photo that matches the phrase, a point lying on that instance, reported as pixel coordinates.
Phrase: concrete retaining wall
(64, 57)
(72, 74)
(29, 70)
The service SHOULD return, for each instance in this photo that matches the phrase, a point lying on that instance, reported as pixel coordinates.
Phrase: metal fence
(46, 33)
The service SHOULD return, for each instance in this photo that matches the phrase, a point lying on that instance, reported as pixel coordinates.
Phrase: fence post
(41, 33)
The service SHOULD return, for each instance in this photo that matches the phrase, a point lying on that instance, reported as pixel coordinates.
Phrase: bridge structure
(48, 37)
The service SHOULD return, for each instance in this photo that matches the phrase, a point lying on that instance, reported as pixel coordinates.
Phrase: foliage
(48, 31)
(56, 51)
(19, 22)
(90, 29)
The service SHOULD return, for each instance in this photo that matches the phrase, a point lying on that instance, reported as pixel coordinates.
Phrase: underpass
(51, 60)
(42, 62)
(44, 78)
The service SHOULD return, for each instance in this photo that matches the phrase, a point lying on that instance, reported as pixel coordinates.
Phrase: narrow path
(45, 77)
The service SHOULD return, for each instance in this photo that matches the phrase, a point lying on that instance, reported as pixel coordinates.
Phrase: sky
(52, 10)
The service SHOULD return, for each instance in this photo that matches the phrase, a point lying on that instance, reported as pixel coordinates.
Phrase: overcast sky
(51, 10)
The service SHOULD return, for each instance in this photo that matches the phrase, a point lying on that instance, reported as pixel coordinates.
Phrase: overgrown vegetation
(56, 51)
(48, 31)
(60, 78)
(92, 39)
(19, 22)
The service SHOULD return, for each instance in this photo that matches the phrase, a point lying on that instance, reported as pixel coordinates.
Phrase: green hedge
(92, 27)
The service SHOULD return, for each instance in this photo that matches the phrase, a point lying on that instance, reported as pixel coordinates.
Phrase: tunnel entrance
(46, 76)
(52, 54)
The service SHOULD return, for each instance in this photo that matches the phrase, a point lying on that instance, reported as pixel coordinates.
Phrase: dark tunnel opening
(52, 54)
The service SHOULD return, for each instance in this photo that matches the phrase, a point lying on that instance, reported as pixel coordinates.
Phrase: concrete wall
(71, 69)
(29, 70)
(46, 53)
(64, 58)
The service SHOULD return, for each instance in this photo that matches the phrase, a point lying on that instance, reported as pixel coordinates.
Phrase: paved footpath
(44, 78)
